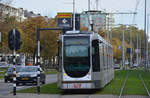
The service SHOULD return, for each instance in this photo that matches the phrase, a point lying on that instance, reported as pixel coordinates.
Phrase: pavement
(29, 95)
(1, 80)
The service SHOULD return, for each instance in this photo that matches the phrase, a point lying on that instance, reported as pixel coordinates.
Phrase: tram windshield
(76, 56)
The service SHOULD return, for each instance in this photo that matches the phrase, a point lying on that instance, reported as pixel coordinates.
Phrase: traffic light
(18, 40)
(14, 40)
(11, 40)
(41, 47)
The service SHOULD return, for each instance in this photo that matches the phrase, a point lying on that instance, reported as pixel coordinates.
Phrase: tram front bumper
(77, 86)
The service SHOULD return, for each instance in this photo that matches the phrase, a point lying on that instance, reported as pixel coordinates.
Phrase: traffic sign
(64, 20)
(137, 51)
(64, 15)
(129, 50)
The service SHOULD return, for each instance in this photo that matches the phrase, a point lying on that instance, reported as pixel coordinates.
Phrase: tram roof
(77, 32)
(94, 35)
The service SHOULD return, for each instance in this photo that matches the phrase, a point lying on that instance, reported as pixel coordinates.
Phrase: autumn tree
(6, 23)
(48, 39)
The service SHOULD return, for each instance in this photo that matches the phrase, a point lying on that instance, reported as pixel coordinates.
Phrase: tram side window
(59, 56)
(109, 57)
(105, 58)
(95, 55)
(101, 56)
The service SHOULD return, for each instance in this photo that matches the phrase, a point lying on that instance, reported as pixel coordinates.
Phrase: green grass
(2, 72)
(4, 69)
(115, 85)
(112, 88)
(2, 75)
(133, 86)
(50, 71)
(45, 89)
(146, 78)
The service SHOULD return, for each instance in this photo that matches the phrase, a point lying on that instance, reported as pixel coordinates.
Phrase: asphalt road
(6, 88)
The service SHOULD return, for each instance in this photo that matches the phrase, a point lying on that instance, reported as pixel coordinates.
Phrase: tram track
(123, 86)
(144, 85)
(125, 82)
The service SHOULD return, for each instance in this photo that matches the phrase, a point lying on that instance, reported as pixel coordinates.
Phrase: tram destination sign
(64, 20)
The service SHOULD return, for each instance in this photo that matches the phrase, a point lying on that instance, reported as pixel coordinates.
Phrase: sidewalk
(1, 80)
(23, 95)
(27, 95)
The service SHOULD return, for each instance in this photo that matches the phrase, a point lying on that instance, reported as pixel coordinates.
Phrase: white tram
(85, 61)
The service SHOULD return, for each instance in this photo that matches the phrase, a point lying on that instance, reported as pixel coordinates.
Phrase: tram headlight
(64, 74)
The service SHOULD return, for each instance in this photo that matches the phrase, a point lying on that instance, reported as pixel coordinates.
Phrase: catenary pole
(123, 49)
(145, 38)
(74, 16)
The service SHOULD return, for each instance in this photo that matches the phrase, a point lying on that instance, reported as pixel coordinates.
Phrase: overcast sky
(51, 7)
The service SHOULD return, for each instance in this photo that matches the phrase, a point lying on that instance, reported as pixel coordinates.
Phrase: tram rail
(123, 86)
(144, 85)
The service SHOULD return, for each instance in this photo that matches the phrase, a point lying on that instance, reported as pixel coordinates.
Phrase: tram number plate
(77, 85)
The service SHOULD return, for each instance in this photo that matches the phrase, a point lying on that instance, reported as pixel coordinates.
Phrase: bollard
(14, 81)
(38, 81)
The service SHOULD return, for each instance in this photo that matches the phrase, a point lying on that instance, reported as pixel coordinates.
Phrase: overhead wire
(133, 21)
(136, 7)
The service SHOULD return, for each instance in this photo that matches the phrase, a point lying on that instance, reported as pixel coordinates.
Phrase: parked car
(135, 65)
(29, 74)
(3, 64)
(116, 66)
(9, 74)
